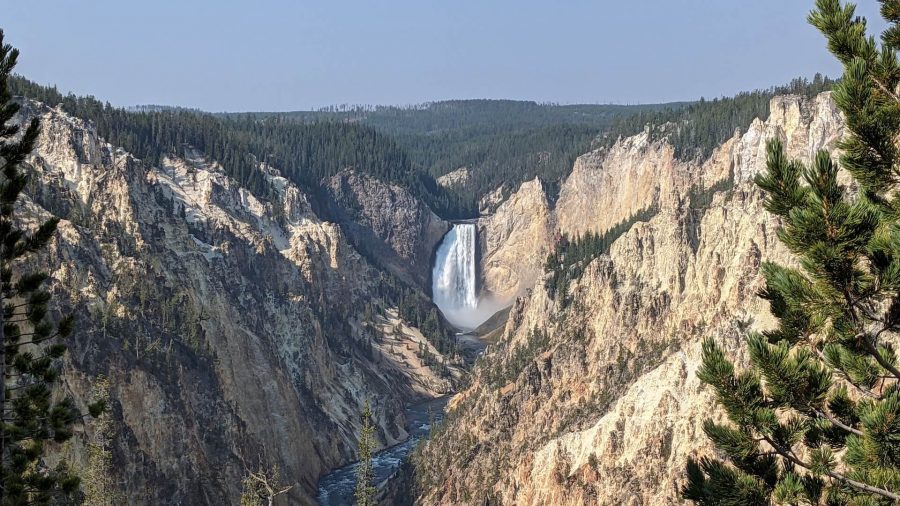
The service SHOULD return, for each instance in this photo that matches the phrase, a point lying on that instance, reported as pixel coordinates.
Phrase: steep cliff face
(514, 242)
(607, 186)
(235, 333)
(598, 402)
(391, 225)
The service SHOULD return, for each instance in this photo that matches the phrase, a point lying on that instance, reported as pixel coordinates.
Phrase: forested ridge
(509, 142)
(697, 129)
(478, 115)
(500, 142)
(303, 152)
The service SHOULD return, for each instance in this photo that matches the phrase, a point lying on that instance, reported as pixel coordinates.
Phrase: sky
(280, 55)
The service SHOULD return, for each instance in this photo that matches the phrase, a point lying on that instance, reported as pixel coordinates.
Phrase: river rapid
(336, 488)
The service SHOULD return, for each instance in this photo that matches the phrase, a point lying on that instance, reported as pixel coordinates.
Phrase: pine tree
(815, 419)
(262, 487)
(365, 473)
(30, 416)
(98, 477)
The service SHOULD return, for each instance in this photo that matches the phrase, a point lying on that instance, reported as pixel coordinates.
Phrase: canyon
(239, 333)
(594, 399)
(235, 336)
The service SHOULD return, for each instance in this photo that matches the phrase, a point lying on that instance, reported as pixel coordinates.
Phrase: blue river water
(336, 488)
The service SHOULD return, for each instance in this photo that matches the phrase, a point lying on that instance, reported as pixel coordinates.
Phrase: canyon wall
(235, 334)
(596, 400)
(385, 221)
(514, 241)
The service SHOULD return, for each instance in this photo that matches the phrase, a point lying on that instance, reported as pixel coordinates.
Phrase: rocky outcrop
(459, 177)
(607, 186)
(489, 202)
(388, 223)
(235, 332)
(597, 401)
(514, 242)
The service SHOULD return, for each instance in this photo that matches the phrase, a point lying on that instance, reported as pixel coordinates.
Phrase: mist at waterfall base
(454, 281)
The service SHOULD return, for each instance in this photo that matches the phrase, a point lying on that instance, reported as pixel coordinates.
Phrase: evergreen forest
(500, 142)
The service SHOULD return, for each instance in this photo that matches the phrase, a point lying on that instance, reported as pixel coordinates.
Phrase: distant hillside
(306, 153)
(507, 142)
(499, 142)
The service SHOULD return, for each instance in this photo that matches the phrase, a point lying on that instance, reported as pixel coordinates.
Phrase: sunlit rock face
(609, 408)
(607, 186)
(457, 178)
(514, 242)
(232, 332)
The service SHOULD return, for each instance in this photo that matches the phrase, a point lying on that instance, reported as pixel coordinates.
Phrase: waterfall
(453, 276)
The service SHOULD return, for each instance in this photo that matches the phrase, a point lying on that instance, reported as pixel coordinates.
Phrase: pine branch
(38, 341)
(893, 96)
(264, 481)
(789, 454)
(828, 416)
(862, 336)
(846, 377)
(868, 314)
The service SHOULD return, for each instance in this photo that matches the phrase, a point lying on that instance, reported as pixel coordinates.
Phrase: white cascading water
(453, 276)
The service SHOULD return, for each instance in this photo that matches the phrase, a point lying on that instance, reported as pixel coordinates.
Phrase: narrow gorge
(590, 396)
(573, 403)
(462, 302)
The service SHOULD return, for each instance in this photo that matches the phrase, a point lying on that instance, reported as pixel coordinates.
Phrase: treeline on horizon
(509, 142)
(500, 142)
(697, 129)
(305, 153)
(479, 115)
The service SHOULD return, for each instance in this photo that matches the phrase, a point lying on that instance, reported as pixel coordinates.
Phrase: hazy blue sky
(293, 54)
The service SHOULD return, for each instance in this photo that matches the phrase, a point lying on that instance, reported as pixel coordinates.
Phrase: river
(336, 488)
(455, 293)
